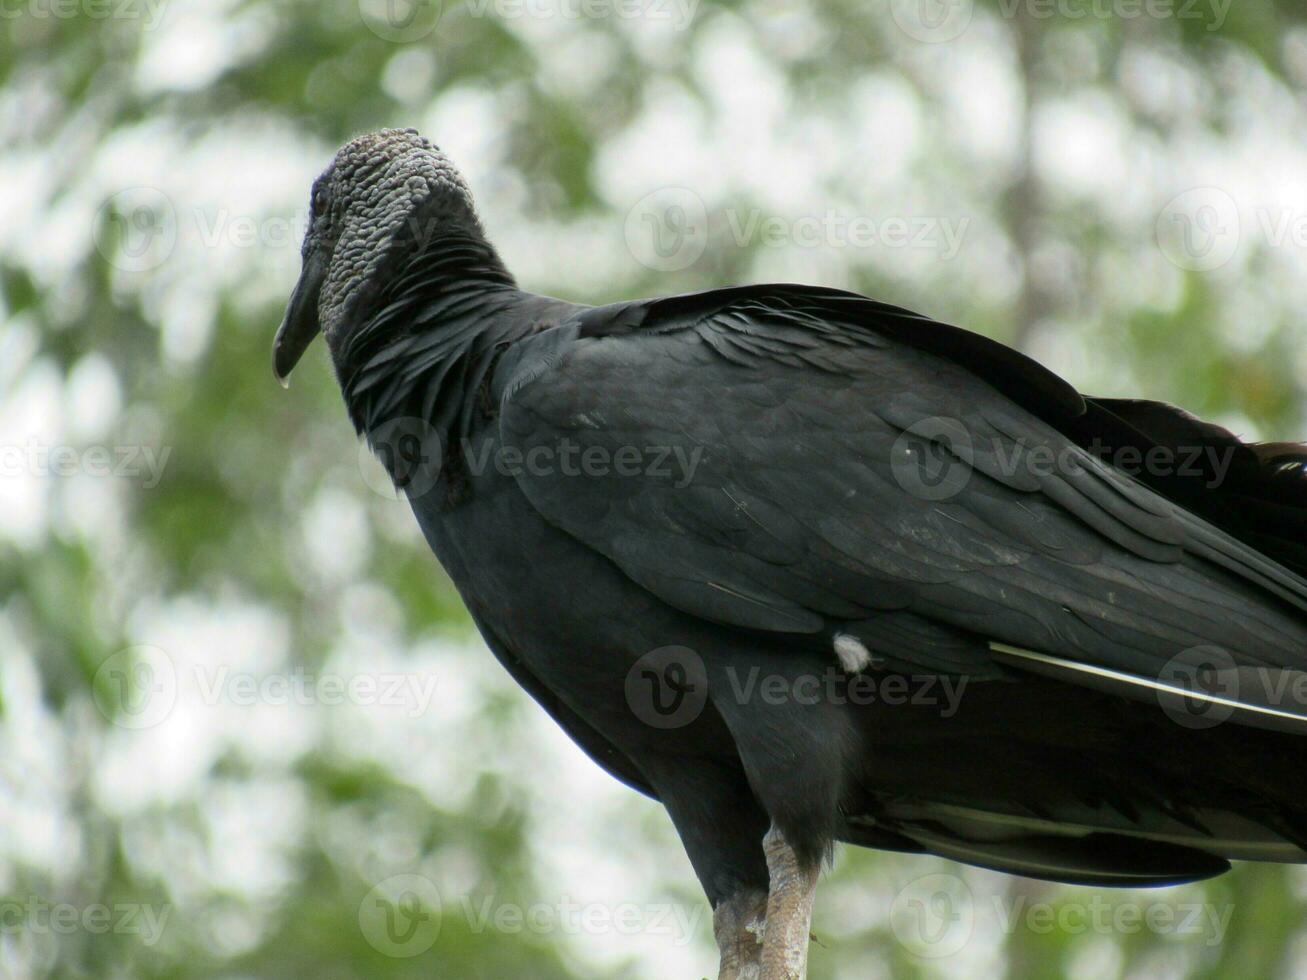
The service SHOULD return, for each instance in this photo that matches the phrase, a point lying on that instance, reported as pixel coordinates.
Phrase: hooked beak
(300, 324)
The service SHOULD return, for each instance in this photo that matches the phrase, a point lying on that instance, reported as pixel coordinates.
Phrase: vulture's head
(385, 195)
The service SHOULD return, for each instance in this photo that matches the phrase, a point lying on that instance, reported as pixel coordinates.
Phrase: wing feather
(796, 516)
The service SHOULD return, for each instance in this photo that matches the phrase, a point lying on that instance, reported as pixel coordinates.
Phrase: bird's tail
(1255, 492)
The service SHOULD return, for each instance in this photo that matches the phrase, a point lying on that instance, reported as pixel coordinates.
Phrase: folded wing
(806, 461)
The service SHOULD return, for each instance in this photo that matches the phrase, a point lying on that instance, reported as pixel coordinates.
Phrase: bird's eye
(319, 203)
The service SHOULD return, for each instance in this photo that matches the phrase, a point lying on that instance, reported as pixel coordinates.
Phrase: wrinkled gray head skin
(384, 195)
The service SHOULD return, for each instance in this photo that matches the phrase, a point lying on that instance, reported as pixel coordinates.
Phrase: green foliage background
(263, 836)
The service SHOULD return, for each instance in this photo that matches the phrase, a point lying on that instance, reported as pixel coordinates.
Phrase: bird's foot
(789, 910)
(738, 924)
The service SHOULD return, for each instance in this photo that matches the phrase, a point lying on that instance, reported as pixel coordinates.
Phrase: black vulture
(809, 568)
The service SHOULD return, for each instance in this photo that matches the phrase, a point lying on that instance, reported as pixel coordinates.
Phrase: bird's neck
(439, 317)
(419, 286)
(458, 260)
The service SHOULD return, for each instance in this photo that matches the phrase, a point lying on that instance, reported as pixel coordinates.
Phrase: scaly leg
(789, 910)
(737, 924)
